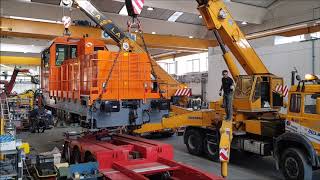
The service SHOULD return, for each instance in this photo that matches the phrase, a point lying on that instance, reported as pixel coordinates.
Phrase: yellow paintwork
(202, 118)
(243, 103)
(305, 119)
(234, 70)
(253, 126)
(17, 60)
(1, 126)
(225, 143)
(27, 95)
(25, 147)
(232, 36)
(43, 30)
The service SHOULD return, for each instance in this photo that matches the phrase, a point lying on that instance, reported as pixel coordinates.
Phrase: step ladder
(5, 111)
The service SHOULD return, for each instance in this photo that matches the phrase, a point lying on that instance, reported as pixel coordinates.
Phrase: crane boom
(99, 18)
(217, 17)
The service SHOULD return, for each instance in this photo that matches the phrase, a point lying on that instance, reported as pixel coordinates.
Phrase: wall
(280, 60)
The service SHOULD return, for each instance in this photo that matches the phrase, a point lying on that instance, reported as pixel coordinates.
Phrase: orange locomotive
(83, 81)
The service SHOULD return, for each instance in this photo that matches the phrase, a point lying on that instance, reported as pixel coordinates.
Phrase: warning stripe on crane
(137, 6)
(283, 90)
(66, 21)
(183, 92)
(224, 154)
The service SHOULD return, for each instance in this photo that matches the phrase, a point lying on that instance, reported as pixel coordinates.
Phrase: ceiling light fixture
(153, 32)
(150, 9)
(190, 37)
(200, 16)
(123, 11)
(66, 3)
(175, 16)
(34, 19)
(244, 23)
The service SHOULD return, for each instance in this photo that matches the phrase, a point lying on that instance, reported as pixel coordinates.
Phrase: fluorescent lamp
(34, 19)
(150, 9)
(244, 23)
(190, 37)
(200, 16)
(175, 16)
(123, 11)
(153, 33)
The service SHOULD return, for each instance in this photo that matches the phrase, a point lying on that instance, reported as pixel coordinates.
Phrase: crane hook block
(134, 7)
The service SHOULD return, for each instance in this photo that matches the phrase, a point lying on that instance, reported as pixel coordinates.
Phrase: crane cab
(257, 93)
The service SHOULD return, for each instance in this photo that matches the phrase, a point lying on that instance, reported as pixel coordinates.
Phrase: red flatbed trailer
(124, 157)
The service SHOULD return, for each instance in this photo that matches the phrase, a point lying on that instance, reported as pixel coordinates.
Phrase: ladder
(5, 112)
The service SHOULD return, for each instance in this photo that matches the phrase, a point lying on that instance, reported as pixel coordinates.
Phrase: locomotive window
(60, 54)
(45, 56)
(98, 48)
(73, 51)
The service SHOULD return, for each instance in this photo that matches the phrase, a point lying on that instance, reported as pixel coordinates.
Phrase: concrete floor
(241, 166)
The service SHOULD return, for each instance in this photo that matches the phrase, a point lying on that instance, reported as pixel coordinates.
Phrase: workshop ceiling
(259, 15)
(258, 3)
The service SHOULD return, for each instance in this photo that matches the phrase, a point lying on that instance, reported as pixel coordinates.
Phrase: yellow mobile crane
(257, 125)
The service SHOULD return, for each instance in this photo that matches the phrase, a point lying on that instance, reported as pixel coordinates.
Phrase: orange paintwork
(89, 71)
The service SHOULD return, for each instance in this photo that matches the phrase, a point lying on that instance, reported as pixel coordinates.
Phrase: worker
(227, 86)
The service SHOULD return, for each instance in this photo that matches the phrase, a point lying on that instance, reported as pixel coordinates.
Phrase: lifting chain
(136, 24)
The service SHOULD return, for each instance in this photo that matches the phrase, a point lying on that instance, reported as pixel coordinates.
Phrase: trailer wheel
(75, 156)
(66, 152)
(294, 165)
(211, 149)
(194, 141)
(89, 157)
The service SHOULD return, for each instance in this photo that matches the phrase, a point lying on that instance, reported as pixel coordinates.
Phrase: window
(45, 56)
(168, 67)
(257, 91)
(315, 35)
(172, 68)
(163, 66)
(295, 103)
(244, 86)
(73, 51)
(284, 40)
(60, 54)
(204, 64)
(98, 48)
(193, 65)
(196, 65)
(310, 103)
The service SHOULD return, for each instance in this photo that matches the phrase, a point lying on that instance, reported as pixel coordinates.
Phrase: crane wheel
(294, 165)
(211, 149)
(194, 141)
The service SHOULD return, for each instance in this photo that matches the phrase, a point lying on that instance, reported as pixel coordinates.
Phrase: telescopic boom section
(106, 24)
(217, 17)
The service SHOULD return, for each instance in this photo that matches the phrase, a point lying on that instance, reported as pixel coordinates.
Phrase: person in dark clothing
(227, 86)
